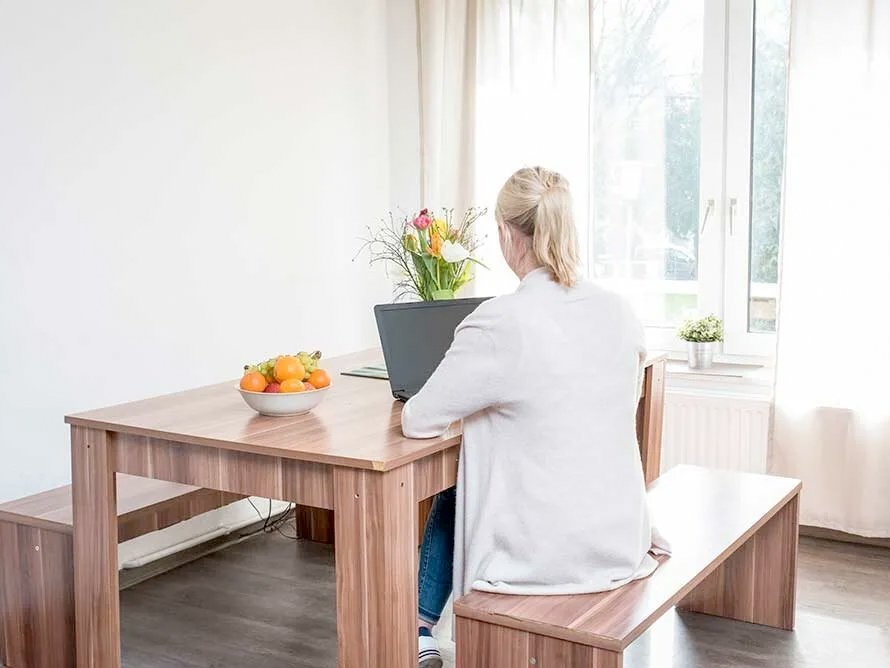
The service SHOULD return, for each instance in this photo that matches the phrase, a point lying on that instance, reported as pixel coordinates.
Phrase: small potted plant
(701, 336)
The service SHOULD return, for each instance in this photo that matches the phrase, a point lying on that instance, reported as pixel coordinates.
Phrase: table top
(358, 424)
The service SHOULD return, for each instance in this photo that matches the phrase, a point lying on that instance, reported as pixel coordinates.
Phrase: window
(678, 184)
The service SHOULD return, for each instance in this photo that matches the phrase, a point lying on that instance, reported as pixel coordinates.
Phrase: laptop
(415, 337)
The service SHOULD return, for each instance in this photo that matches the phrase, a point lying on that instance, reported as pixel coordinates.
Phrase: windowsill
(725, 378)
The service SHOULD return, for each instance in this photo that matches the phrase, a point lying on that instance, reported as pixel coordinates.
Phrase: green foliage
(682, 151)
(703, 330)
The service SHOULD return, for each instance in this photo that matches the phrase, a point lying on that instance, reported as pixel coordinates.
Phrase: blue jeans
(434, 576)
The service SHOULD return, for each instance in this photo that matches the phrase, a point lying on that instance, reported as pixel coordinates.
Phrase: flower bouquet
(432, 255)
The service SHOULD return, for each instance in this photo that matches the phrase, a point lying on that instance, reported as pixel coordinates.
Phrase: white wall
(182, 185)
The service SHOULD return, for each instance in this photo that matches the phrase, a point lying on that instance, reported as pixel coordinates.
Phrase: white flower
(452, 252)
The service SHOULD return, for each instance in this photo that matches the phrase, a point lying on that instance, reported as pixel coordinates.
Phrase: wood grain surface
(481, 645)
(303, 482)
(358, 424)
(376, 557)
(650, 418)
(757, 582)
(707, 515)
(143, 505)
(36, 597)
(96, 604)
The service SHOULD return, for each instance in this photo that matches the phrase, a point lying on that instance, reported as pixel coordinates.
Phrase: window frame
(725, 177)
(739, 340)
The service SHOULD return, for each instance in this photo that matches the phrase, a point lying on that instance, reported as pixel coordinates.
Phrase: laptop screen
(415, 337)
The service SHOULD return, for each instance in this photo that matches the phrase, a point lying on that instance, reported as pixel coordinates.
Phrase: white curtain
(533, 86)
(447, 60)
(832, 414)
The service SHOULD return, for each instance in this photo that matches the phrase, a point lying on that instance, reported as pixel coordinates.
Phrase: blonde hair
(537, 202)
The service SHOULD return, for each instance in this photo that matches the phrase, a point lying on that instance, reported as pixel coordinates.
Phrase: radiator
(725, 432)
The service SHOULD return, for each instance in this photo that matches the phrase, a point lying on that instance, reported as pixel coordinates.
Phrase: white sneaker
(428, 653)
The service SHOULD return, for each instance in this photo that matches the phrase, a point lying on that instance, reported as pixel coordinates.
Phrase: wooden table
(348, 456)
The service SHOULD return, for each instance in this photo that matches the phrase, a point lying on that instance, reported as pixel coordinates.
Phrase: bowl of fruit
(285, 385)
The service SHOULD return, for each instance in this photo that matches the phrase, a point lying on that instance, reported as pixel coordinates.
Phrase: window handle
(732, 204)
(709, 207)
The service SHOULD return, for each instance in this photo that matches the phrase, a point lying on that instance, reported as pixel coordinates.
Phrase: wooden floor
(254, 604)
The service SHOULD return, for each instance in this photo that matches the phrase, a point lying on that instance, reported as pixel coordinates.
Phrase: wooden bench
(36, 562)
(734, 540)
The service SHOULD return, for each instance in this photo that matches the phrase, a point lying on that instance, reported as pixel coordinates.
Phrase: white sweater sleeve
(466, 381)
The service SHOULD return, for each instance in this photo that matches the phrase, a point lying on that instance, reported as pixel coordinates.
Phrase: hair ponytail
(537, 202)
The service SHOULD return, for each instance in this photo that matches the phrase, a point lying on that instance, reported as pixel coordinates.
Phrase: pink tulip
(423, 220)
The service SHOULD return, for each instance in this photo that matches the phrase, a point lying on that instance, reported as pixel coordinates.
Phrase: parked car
(670, 261)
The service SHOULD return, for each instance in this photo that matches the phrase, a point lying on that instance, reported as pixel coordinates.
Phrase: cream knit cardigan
(550, 492)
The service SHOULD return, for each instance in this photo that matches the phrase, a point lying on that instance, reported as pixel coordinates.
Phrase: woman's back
(551, 497)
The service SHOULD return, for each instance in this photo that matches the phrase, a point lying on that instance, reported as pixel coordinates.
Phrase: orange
(253, 381)
(292, 385)
(319, 379)
(287, 367)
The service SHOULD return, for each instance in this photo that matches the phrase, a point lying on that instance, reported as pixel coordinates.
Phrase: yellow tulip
(440, 225)
(435, 243)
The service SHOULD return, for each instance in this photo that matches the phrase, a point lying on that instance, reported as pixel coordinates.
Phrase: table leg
(96, 600)
(315, 524)
(650, 420)
(376, 536)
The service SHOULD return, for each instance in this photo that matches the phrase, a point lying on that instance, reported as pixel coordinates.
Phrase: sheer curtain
(447, 60)
(532, 103)
(832, 413)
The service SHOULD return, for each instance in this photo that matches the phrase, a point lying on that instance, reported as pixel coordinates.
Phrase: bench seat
(734, 554)
(37, 568)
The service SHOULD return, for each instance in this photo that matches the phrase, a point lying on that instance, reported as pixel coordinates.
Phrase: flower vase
(700, 354)
(441, 295)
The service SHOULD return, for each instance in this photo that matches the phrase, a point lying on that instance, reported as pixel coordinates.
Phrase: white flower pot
(701, 354)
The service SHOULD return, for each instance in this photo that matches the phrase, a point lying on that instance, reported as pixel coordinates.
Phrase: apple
(273, 387)
(309, 386)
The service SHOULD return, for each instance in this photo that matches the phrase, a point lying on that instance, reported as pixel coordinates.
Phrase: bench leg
(36, 597)
(758, 582)
(483, 645)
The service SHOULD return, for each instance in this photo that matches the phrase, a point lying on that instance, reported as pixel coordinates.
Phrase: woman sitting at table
(550, 497)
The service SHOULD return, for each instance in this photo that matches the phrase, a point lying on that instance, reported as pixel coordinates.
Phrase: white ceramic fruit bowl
(281, 404)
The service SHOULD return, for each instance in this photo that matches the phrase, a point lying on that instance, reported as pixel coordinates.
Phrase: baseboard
(843, 537)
